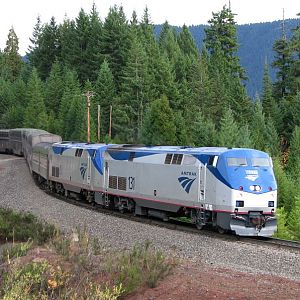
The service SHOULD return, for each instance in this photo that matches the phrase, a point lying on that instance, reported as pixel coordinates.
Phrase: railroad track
(174, 224)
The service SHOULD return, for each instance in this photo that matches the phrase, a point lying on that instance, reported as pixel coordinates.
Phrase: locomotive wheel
(221, 230)
(199, 226)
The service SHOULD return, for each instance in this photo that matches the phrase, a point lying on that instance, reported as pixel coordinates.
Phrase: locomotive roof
(150, 149)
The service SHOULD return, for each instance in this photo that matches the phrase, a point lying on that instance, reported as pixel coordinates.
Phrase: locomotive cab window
(213, 160)
(236, 161)
(260, 162)
(173, 159)
(78, 152)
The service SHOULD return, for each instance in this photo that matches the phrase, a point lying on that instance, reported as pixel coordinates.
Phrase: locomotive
(232, 189)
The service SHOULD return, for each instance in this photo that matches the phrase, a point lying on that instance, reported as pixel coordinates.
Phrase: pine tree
(11, 56)
(94, 46)
(228, 135)
(294, 220)
(287, 187)
(115, 41)
(69, 44)
(159, 125)
(293, 166)
(221, 39)
(187, 43)
(270, 107)
(34, 47)
(48, 49)
(71, 90)
(105, 96)
(35, 112)
(244, 140)
(135, 85)
(203, 132)
(258, 128)
(282, 62)
(282, 228)
(295, 64)
(82, 27)
(54, 89)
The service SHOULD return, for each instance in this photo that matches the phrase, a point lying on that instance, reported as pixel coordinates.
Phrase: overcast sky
(22, 14)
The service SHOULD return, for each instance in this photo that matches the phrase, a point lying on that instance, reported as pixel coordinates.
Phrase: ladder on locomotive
(106, 184)
(202, 183)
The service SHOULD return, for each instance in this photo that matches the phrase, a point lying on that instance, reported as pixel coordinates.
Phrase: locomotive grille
(113, 182)
(122, 183)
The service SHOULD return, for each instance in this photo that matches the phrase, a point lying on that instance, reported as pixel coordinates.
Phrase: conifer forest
(162, 89)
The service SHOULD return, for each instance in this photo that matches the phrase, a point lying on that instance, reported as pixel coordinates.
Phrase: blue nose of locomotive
(248, 170)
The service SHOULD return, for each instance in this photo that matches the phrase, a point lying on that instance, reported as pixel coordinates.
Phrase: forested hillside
(161, 90)
(255, 47)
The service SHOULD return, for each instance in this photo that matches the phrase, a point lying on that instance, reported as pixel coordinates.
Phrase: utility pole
(283, 26)
(110, 122)
(98, 123)
(88, 95)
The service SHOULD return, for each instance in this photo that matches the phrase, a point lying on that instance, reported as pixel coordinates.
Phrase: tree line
(163, 90)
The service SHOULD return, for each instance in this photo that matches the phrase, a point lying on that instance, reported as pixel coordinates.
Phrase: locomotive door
(202, 183)
(106, 177)
(89, 170)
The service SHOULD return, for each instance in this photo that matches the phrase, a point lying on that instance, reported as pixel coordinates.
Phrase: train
(230, 189)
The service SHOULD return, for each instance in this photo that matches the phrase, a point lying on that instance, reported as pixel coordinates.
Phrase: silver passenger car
(4, 141)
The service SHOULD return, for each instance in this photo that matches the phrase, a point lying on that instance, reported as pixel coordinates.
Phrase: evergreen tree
(244, 140)
(282, 62)
(54, 89)
(293, 166)
(272, 143)
(159, 125)
(270, 107)
(294, 220)
(94, 46)
(34, 47)
(35, 112)
(115, 41)
(187, 43)
(69, 44)
(228, 135)
(48, 49)
(105, 96)
(87, 51)
(12, 59)
(295, 65)
(221, 39)
(287, 187)
(282, 228)
(71, 91)
(258, 128)
(203, 132)
(135, 85)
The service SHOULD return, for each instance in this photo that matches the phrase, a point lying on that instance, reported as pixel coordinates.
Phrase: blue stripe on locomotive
(97, 159)
(236, 176)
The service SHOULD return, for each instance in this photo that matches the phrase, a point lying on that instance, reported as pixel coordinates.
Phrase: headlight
(271, 204)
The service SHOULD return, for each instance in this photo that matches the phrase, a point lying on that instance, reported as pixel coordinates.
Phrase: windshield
(260, 162)
(236, 161)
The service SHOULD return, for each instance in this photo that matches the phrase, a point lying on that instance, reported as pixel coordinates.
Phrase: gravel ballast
(19, 192)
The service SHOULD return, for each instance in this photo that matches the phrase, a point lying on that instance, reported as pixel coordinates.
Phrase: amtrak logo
(186, 183)
(83, 169)
(251, 175)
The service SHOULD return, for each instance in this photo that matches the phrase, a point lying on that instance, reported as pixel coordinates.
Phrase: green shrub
(24, 226)
(11, 251)
(142, 265)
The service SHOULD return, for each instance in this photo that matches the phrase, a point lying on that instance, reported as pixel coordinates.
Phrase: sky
(22, 14)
